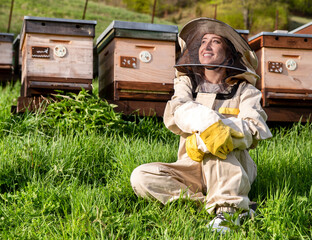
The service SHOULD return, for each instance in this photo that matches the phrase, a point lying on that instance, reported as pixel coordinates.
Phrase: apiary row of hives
(135, 64)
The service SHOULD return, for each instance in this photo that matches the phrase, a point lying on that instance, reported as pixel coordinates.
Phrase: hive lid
(60, 20)
(279, 34)
(6, 37)
(242, 31)
(57, 26)
(137, 30)
(280, 40)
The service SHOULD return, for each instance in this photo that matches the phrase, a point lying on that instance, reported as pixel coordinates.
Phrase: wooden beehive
(136, 65)
(6, 57)
(57, 54)
(285, 70)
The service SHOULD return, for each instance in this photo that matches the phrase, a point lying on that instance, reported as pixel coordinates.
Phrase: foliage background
(254, 15)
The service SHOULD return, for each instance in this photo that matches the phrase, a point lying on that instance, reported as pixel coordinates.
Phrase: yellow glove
(192, 150)
(218, 139)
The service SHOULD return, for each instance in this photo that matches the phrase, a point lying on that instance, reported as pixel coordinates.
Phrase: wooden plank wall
(159, 70)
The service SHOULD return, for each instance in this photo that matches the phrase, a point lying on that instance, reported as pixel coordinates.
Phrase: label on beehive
(275, 67)
(40, 52)
(128, 62)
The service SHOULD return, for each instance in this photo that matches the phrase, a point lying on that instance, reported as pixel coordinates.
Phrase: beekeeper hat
(190, 39)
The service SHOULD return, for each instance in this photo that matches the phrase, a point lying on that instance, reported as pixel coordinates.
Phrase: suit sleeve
(183, 114)
(251, 119)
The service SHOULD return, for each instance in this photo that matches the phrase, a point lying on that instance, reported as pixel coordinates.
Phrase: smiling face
(213, 49)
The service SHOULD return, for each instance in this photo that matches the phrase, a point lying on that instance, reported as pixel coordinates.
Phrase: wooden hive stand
(136, 66)
(57, 54)
(285, 71)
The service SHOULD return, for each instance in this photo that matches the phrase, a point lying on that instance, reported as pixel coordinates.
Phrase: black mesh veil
(240, 60)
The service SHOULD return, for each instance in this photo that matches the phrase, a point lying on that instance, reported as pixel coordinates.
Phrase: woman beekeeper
(216, 110)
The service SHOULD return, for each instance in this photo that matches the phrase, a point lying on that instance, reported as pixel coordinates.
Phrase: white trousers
(223, 185)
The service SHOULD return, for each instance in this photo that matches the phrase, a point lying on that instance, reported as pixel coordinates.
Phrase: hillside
(262, 18)
(68, 9)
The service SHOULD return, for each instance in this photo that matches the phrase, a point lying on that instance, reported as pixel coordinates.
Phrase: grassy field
(65, 175)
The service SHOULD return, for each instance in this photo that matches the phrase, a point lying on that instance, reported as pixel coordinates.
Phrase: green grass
(58, 182)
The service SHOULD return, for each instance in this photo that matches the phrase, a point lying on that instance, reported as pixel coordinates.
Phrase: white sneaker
(219, 223)
(249, 214)
(223, 225)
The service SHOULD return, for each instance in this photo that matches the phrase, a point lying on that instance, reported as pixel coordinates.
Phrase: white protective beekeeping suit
(223, 183)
